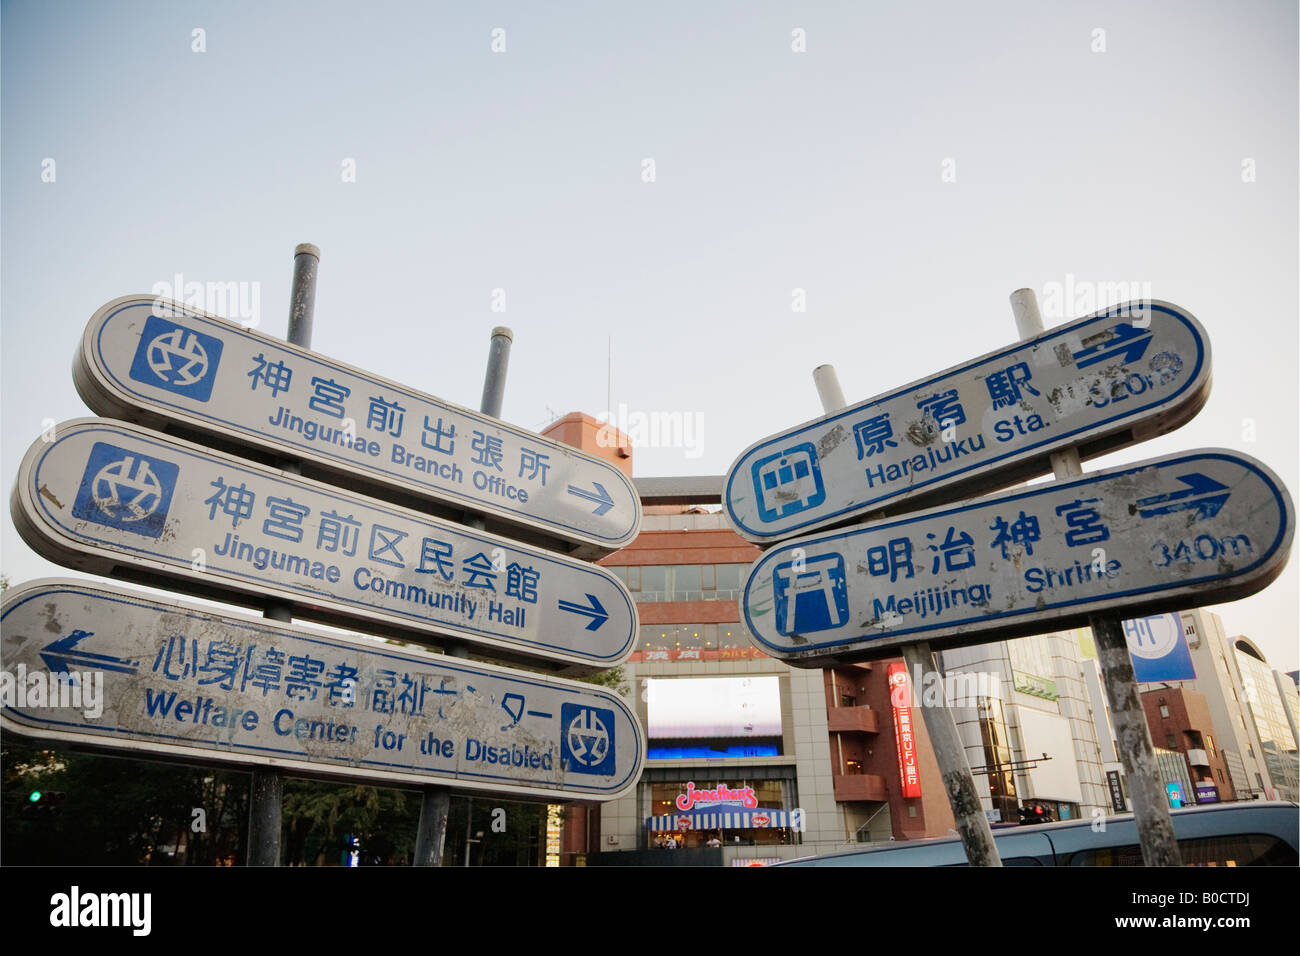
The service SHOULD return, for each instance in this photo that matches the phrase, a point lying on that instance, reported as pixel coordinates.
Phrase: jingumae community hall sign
(110, 497)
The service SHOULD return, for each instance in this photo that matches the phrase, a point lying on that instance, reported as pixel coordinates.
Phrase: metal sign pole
(267, 798)
(1150, 806)
(435, 805)
(972, 824)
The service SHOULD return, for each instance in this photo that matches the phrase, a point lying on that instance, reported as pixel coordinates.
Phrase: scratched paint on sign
(197, 684)
(1170, 533)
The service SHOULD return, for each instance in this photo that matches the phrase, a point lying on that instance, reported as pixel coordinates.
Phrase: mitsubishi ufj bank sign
(161, 364)
(1181, 531)
(114, 498)
(96, 665)
(1099, 383)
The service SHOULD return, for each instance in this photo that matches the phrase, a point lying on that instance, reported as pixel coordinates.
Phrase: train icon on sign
(176, 358)
(788, 482)
(125, 489)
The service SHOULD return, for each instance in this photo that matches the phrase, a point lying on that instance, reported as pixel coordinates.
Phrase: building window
(1171, 742)
(682, 582)
(1164, 711)
(997, 754)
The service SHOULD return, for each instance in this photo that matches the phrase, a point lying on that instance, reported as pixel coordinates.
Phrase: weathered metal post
(954, 768)
(972, 824)
(435, 804)
(266, 799)
(494, 380)
(1150, 805)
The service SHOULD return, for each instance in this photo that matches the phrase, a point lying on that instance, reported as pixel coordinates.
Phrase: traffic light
(43, 803)
(1034, 814)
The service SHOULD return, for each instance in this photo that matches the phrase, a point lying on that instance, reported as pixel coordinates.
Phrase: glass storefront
(997, 757)
(754, 809)
(702, 637)
(682, 582)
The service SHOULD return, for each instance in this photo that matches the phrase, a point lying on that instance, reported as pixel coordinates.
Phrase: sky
(680, 209)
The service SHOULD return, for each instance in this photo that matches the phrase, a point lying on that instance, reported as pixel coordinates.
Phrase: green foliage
(118, 811)
(615, 679)
(317, 817)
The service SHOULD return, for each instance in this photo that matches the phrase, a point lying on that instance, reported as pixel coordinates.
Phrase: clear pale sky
(1160, 151)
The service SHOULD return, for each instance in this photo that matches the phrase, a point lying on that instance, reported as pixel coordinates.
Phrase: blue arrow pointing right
(1126, 338)
(604, 500)
(1197, 484)
(595, 610)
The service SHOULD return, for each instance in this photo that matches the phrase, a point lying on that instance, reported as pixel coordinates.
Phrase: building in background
(1103, 726)
(769, 761)
(1036, 743)
(1249, 709)
(1172, 767)
(1271, 703)
(1179, 720)
(766, 760)
(1219, 679)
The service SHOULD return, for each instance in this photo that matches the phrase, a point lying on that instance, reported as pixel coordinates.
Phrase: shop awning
(721, 819)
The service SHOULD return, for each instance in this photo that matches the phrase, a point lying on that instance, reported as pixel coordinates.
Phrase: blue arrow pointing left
(62, 654)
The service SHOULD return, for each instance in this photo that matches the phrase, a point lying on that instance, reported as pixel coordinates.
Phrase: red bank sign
(899, 695)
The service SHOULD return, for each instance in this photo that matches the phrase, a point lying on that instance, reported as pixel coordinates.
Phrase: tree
(119, 811)
(318, 816)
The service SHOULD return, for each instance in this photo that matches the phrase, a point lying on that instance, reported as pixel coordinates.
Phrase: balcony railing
(856, 787)
(862, 720)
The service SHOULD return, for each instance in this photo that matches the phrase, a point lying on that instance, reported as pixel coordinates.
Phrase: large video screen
(713, 707)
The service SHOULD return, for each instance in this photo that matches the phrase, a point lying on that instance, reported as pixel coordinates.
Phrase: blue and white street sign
(166, 366)
(115, 498)
(1025, 562)
(1099, 383)
(124, 671)
(1159, 649)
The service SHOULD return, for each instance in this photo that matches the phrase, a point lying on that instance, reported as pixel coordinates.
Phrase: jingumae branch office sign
(164, 365)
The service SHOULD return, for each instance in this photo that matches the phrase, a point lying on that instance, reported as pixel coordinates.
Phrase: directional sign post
(945, 741)
(104, 667)
(110, 497)
(266, 799)
(1131, 540)
(1098, 383)
(169, 367)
